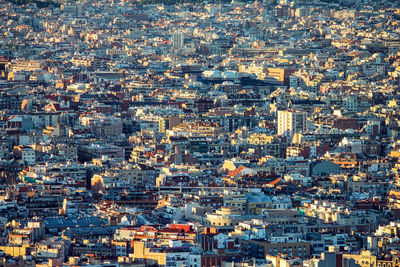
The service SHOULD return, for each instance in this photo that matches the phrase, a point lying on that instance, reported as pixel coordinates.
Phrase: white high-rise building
(291, 122)
(177, 40)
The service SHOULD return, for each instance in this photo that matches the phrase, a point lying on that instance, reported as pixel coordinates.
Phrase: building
(168, 123)
(332, 259)
(281, 75)
(173, 255)
(177, 40)
(291, 122)
(261, 248)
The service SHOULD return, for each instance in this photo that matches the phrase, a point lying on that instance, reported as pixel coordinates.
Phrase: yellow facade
(14, 251)
(141, 252)
(364, 259)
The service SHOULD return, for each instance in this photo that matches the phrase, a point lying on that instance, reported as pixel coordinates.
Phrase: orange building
(281, 74)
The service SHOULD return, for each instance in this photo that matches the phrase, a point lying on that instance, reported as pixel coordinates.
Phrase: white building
(291, 122)
(177, 40)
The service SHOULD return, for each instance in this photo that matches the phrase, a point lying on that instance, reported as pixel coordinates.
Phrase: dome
(227, 83)
(214, 74)
(230, 75)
